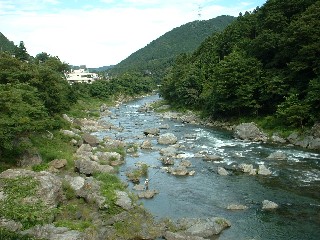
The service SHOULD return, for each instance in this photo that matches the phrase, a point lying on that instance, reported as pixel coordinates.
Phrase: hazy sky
(103, 32)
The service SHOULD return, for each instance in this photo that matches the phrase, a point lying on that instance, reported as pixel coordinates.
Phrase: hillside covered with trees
(158, 55)
(263, 65)
(34, 94)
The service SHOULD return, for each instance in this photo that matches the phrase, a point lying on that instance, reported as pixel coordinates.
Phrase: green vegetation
(16, 207)
(8, 235)
(263, 65)
(155, 58)
(110, 183)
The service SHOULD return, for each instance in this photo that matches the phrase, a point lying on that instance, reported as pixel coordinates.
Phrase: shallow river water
(294, 184)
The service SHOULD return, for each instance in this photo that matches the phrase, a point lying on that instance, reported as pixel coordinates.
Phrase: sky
(100, 33)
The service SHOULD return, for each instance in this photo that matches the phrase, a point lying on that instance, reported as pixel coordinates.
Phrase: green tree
(21, 52)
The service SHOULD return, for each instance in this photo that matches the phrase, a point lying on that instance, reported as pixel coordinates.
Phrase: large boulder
(268, 205)
(88, 167)
(49, 189)
(151, 131)
(277, 156)
(167, 139)
(93, 141)
(263, 170)
(90, 191)
(250, 132)
(205, 228)
(29, 193)
(51, 232)
(123, 200)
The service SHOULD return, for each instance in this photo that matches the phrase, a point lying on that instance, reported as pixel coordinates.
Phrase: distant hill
(160, 53)
(6, 45)
(101, 69)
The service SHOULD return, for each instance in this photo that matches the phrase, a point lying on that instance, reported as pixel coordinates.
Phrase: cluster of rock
(251, 132)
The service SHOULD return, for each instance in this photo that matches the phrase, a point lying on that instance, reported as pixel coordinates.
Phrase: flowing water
(294, 184)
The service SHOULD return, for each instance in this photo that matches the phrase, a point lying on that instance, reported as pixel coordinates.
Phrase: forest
(34, 94)
(265, 65)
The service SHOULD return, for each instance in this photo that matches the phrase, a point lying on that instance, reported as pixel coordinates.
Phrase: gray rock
(10, 225)
(51, 232)
(277, 139)
(123, 200)
(277, 156)
(93, 141)
(167, 160)
(212, 158)
(89, 167)
(151, 131)
(250, 131)
(67, 118)
(167, 139)
(315, 130)
(164, 126)
(203, 227)
(48, 191)
(76, 183)
(293, 137)
(139, 187)
(263, 170)
(180, 236)
(147, 194)
(179, 171)
(90, 191)
(247, 168)
(266, 204)
(314, 144)
(185, 163)
(236, 207)
(146, 144)
(70, 133)
(168, 151)
(222, 171)
(58, 163)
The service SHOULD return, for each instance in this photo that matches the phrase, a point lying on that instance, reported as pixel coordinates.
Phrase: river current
(294, 184)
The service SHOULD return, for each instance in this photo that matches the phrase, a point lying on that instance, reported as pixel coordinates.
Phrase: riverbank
(308, 139)
(80, 197)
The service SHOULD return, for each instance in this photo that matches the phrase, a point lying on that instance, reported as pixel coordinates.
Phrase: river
(294, 184)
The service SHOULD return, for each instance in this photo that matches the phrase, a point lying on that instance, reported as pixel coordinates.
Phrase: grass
(57, 147)
(8, 235)
(109, 184)
(15, 206)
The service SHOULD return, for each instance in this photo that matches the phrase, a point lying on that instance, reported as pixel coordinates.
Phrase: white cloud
(99, 36)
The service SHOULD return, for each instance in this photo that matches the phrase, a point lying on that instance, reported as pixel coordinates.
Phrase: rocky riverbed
(201, 181)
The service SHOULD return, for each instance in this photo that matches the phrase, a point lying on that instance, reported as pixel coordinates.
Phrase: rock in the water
(266, 204)
(180, 236)
(51, 232)
(151, 131)
(146, 145)
(277, 156)
(236, 207)
(250, 131)
(167, 139)
(204, 227)
(211, 157)
(222, 171)
(263, 170)
(147, 194)
(168, 151)
(247, 168)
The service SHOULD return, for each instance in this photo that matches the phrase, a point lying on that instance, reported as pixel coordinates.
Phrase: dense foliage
(34, 93)
(158, 55)
(264, 63)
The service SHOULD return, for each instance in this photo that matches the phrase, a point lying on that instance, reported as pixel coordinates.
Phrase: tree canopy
(264, 63)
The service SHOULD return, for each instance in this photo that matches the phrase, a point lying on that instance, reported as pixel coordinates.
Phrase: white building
(81, 76)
